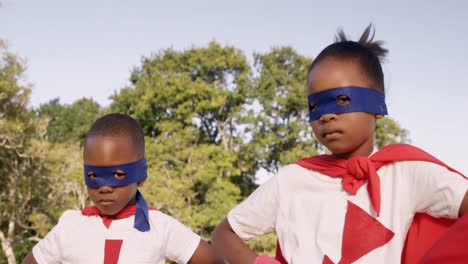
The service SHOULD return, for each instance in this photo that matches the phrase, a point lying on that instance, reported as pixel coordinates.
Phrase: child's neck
(365, 151)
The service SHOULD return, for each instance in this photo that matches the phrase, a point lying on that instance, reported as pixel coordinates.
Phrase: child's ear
(379, 116)
(141, 183)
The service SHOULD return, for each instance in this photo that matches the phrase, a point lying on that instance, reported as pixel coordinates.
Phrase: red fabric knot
(354, 171)
(357, 167)
(355, 174)
(360, 169)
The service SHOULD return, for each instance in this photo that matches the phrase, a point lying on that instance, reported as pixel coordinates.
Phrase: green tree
(22, 143)
(37, 177)
(204, 88)
(388, 131)
(190, 181)
(278, 119)
(69, 122)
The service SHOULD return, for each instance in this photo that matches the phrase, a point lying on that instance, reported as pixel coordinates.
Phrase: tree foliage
(388, 131)
(22, 144)
(280, 132)
(69, 122)
(35, 174)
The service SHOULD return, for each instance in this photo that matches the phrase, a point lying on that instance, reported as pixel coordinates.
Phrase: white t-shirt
(81, 239)
(307, 209)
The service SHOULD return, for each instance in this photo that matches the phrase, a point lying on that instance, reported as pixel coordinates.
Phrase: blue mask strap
(141, 214)
(361, 99)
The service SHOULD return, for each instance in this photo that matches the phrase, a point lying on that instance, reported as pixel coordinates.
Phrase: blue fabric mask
(135, 172)
(105, 176)
(361, 99)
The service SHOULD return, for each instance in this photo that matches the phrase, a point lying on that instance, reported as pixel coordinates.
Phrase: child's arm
(205, 254)
(255, 216)
(231, 245)
(234, 248)
(29, 259)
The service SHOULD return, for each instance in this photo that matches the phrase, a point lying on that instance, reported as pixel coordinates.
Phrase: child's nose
(106, 189)
(327, 118)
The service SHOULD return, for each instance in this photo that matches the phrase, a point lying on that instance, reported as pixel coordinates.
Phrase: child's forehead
(109, 150)
(333, 72)
(96, 141)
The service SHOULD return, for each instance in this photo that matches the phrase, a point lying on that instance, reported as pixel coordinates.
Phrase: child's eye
(312, 107)
(91, 175)
(343, 100)
(120, 174)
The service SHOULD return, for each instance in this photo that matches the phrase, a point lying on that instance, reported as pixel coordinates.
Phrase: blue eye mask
(119, 175)
(360, 100)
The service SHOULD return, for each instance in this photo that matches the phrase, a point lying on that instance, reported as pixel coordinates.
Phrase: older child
(120, 228)
(353, 205)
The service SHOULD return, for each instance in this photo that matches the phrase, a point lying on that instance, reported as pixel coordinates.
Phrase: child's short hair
(366, 52)
(119, 125)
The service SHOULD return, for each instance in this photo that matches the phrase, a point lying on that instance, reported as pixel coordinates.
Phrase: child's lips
(330, 133)
(106, 202)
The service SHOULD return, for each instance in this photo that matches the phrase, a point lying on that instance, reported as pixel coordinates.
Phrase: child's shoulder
(70, 215)
(158, 216)
(415, 167)
(293, 174)
(70, 219)
(293, 170)
(165, 222)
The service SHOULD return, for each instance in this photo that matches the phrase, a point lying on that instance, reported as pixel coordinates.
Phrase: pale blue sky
(87, 48)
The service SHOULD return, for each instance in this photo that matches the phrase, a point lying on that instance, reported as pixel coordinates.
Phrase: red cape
(451, 247)
(424, 230)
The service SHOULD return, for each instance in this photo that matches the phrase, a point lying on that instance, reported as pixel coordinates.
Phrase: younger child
(353, 206)
(120, 228)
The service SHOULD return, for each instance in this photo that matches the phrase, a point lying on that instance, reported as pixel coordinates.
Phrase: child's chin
(108, 211)
(337, 149)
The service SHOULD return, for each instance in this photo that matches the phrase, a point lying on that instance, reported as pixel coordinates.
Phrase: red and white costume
(318, 221)
(79, 238)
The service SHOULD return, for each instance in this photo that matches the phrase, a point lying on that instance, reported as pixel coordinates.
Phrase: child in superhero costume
(120, 227)
(357, 205)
